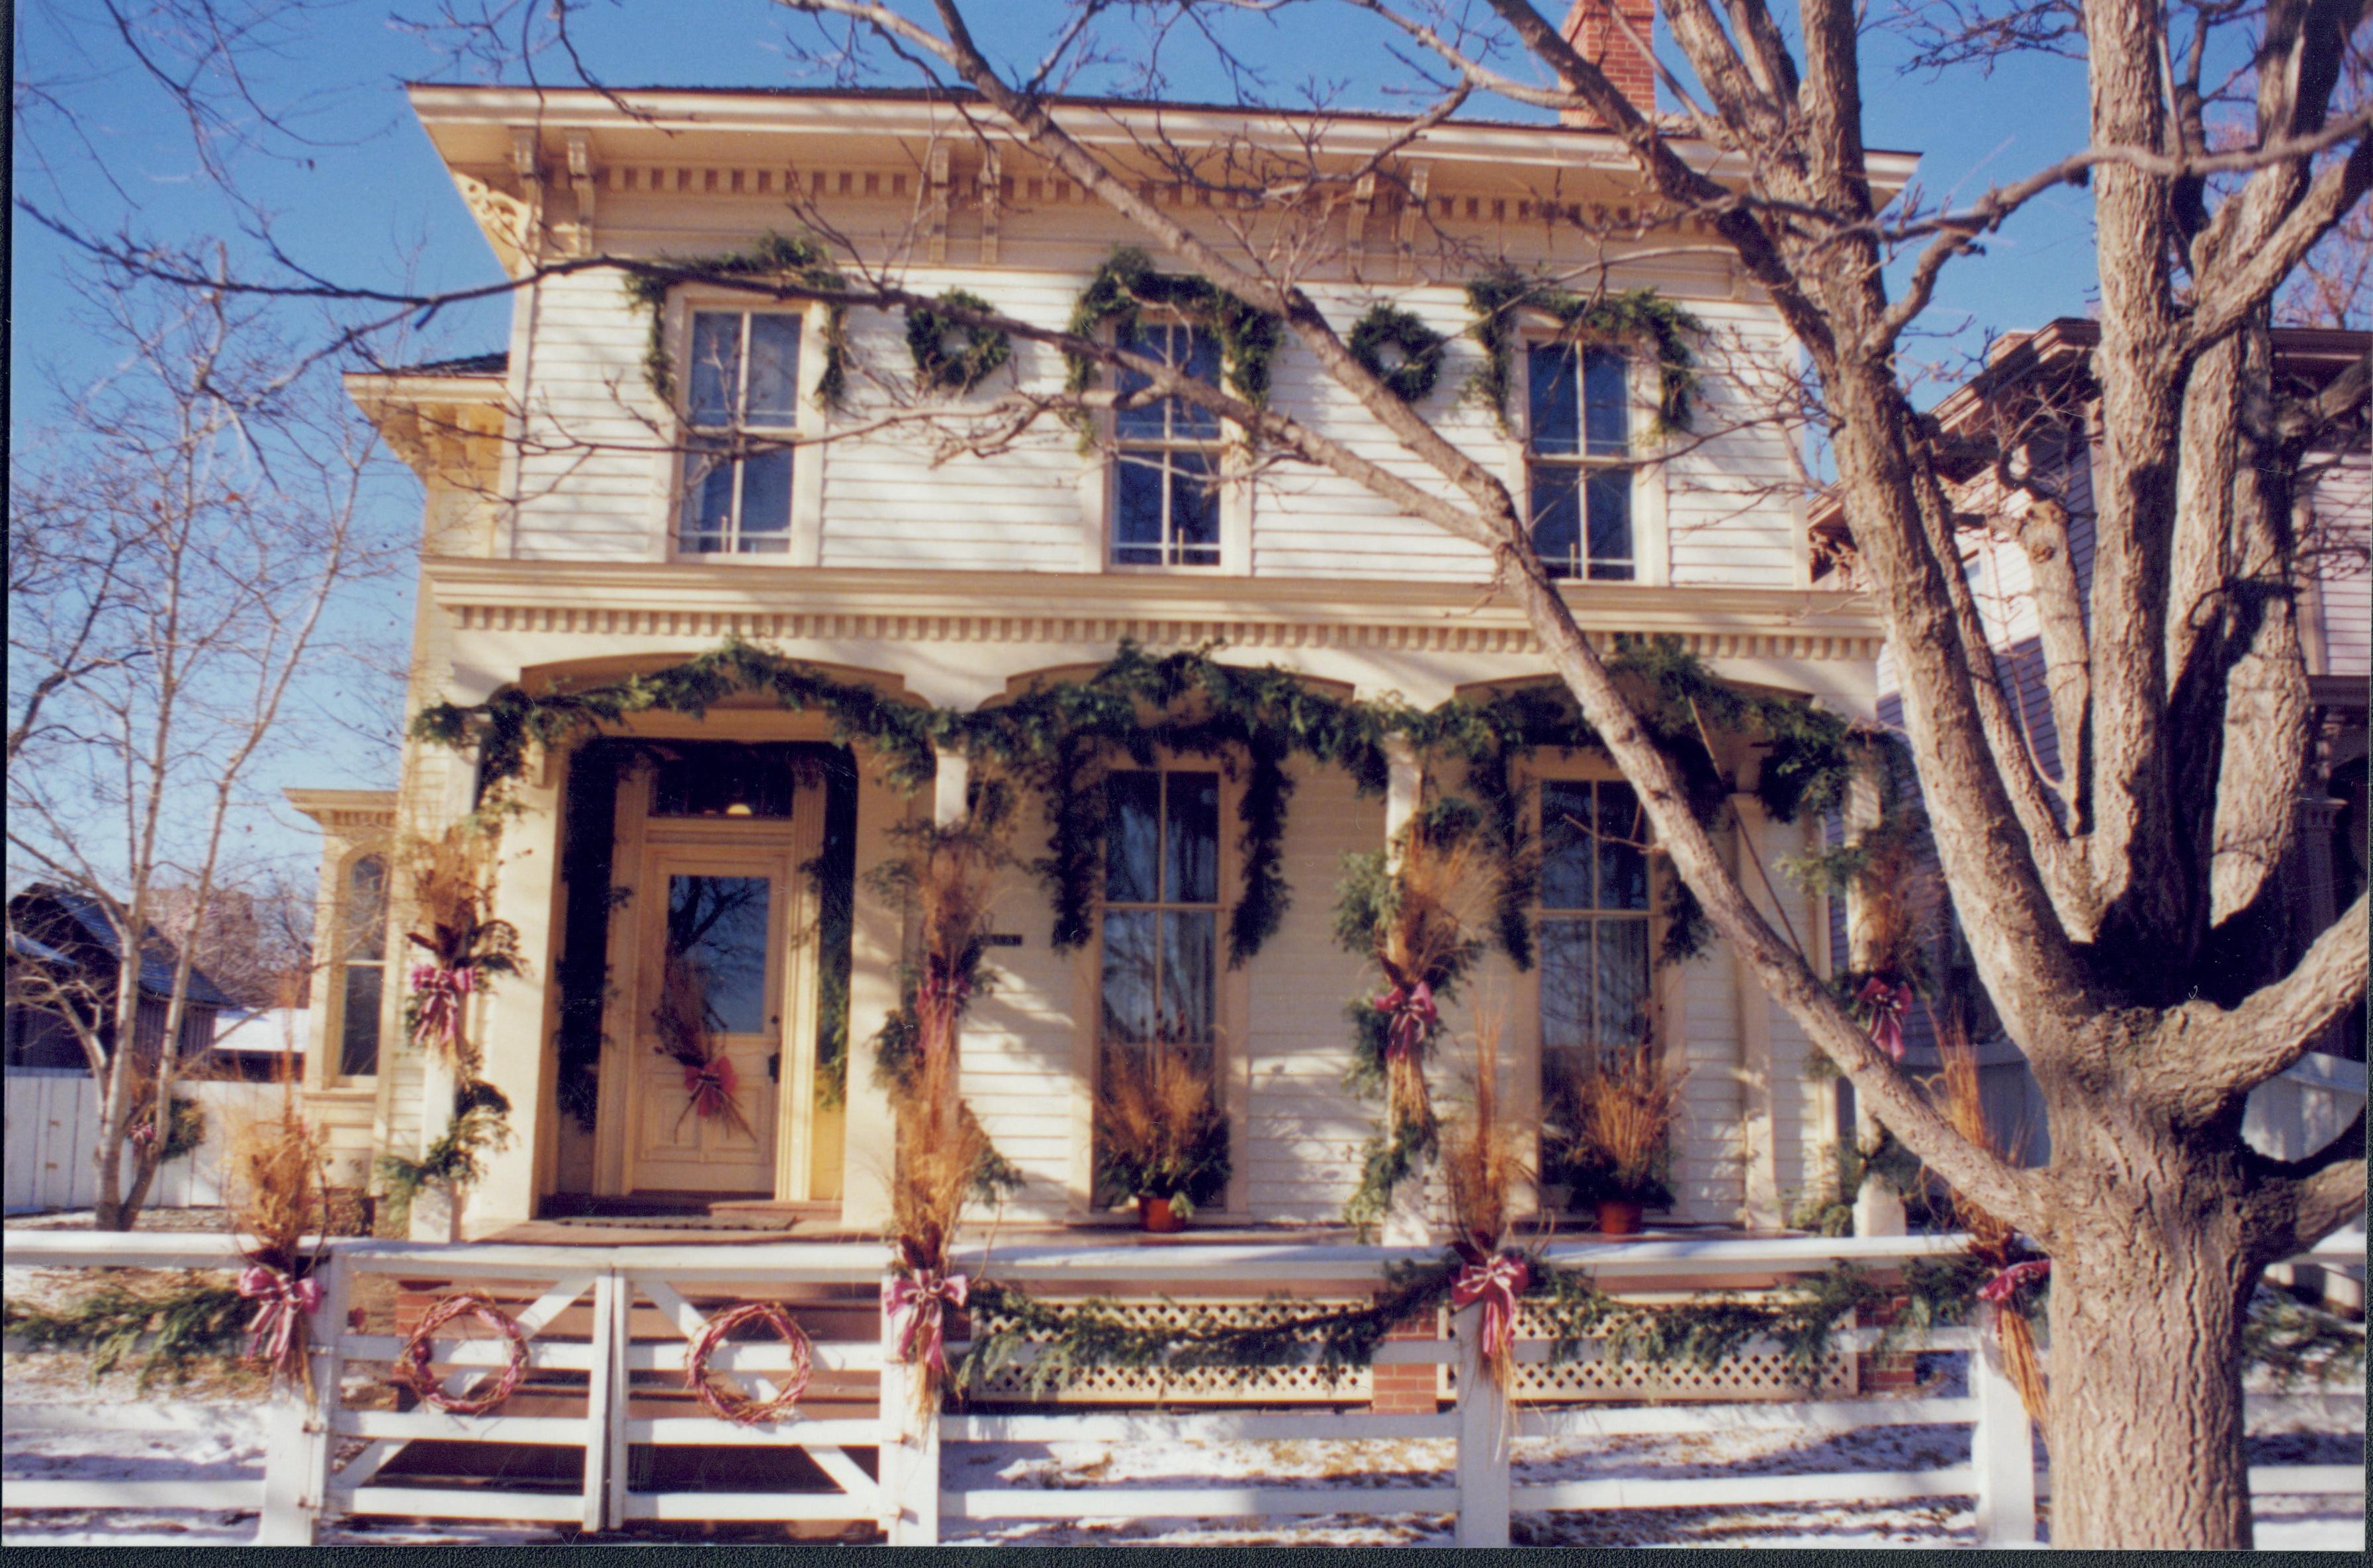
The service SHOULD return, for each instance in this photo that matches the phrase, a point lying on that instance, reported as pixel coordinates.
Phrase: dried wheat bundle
(1992, 1238)
(277, 1163)
(1622, 1118)
(452, 881)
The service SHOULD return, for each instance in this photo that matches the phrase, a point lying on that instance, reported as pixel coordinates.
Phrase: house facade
(587, 520)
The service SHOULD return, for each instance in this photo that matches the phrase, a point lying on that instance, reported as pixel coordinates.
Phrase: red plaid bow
(918, 1305)
(2002, 1286)
(278, 1317)
(440, 991)
(1412, 1012)
(1496, 1281)
(711, 1085)
(1887, 1003)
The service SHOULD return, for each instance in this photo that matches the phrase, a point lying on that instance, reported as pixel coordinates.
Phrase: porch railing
(607, 1330)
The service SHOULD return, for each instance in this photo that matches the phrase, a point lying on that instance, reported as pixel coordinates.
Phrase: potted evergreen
(1160, 1138)
(1616, 1152)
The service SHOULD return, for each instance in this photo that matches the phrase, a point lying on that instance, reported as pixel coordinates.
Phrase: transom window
(1167, 493)
(362, 918)
(1578, 461)
(742, 404)
(1594, 946)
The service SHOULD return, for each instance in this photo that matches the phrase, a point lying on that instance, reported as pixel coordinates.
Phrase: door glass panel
(719, 923)
(1190, 870)
(1129, 974)
(1132, 826)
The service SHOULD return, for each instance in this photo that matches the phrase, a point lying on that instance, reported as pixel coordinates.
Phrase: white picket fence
(54, 1121)
(607, 1327)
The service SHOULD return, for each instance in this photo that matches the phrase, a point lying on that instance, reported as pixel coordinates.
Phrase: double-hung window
(1166, 491)
(1594, 943)
(1578, 462)
(362, 931)
(742, 411)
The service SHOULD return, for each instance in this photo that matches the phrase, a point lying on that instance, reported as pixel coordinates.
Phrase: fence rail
(607, 1329)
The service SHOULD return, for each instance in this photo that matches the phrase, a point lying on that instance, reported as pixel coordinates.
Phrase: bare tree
(179, 559)
(2111, 903)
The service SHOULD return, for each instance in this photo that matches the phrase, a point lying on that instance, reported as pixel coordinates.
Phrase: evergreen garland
(985, 349)
(1388, 326)
(1499, 299)
(804, 262)
(1126, 286)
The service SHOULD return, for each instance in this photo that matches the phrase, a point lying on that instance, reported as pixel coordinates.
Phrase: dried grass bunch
(1481, 1162)
(451, 880)
(1159, 1133)
(279, 1170)
(1993, 1239)
(1618, 1124)
(1421, 916)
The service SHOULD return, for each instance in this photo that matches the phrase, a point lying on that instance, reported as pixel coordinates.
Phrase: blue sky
(362, 199)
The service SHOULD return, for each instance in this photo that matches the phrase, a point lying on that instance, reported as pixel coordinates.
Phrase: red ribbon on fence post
(1496, 1281)
(1411, 1015)
(440, 991)
(276, 1334)
(918, 1305)
(1998, 1290)
(1887, 1002)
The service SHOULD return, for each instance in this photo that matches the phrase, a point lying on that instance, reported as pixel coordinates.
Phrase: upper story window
(1578, 461)
(741, 407)
(362, 981)
(1593, 912)
(1166, 499)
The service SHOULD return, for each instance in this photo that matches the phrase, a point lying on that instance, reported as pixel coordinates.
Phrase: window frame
(1234, 544)
(803, 546)
(346, 930)
(1651, 557)
(1230, 1059)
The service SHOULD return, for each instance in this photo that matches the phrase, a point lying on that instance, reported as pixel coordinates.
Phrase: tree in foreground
(2113, 905)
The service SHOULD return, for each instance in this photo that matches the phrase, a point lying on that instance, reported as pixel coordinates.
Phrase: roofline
(779, 108)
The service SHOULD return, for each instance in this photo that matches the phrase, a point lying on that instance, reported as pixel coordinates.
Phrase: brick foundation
(1407, 1390)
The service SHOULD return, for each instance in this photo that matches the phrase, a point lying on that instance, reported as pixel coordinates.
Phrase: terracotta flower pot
(1155, 1214)
(1618, 1217)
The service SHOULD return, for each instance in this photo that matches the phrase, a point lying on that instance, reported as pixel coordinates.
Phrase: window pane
(716, 366)
(1194, 509)
(765, 499)
(719, 925)
(1557, 517)
(1621, 983)
(358, 1019)
(1197, 352)
(367, 908)
(1129, 974)
(1565, 845)
(707, 501)
(1186, 946)
(1606, 403)
(1554, 421)
(1137, 517)
(1132, 824)
(1610, 523)
(1622, 866)
(1148, 421)
(773, 396)
(1190, 861)
(1566, 983)
(1563, 1068)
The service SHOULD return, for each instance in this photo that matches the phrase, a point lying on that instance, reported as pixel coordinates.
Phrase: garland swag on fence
(804, 264)
(1499, 298)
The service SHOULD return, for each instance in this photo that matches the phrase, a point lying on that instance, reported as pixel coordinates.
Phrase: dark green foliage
(802, 267)
(1388, 326)
(1500, 299)
(1392, 1156)
(1126, 286)
(2297, 1343)
(985, 349)
(169, 1324)
(481, 1124)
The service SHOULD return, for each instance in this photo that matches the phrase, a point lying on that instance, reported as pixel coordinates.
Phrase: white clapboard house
(575, 533)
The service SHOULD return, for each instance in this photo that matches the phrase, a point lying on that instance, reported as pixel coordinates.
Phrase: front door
(708, 1017)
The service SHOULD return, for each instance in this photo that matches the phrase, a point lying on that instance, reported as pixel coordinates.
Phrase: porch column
(515, 1020)
(1878, 1209)
(1409, 1222)
(877, 940)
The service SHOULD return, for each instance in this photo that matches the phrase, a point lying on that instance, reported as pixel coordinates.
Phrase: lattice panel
(1758, 1372)
(1217, 1385)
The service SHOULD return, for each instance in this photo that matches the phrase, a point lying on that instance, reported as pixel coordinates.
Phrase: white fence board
(53, 1123)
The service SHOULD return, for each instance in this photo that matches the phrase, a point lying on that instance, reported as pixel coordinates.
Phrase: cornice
(337, 810)
(610, 600)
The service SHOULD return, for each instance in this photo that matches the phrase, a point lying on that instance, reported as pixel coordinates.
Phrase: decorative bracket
(581, 181)
(935, 212)
(992, 200)
(1420, 175)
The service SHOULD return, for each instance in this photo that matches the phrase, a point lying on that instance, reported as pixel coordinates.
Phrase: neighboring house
(266, 1046)
(63, 953)
(2032, 403)
(568, 538)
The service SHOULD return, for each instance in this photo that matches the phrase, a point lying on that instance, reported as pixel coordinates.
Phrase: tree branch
(2224, 1053)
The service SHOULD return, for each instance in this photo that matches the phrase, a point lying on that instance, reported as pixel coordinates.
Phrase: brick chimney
(1590, 27)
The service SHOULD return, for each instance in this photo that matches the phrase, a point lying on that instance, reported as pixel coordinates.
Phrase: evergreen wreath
(1498, 299)
(1388, 326)
(985, 349)
(804, 262)
(1126, 286)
